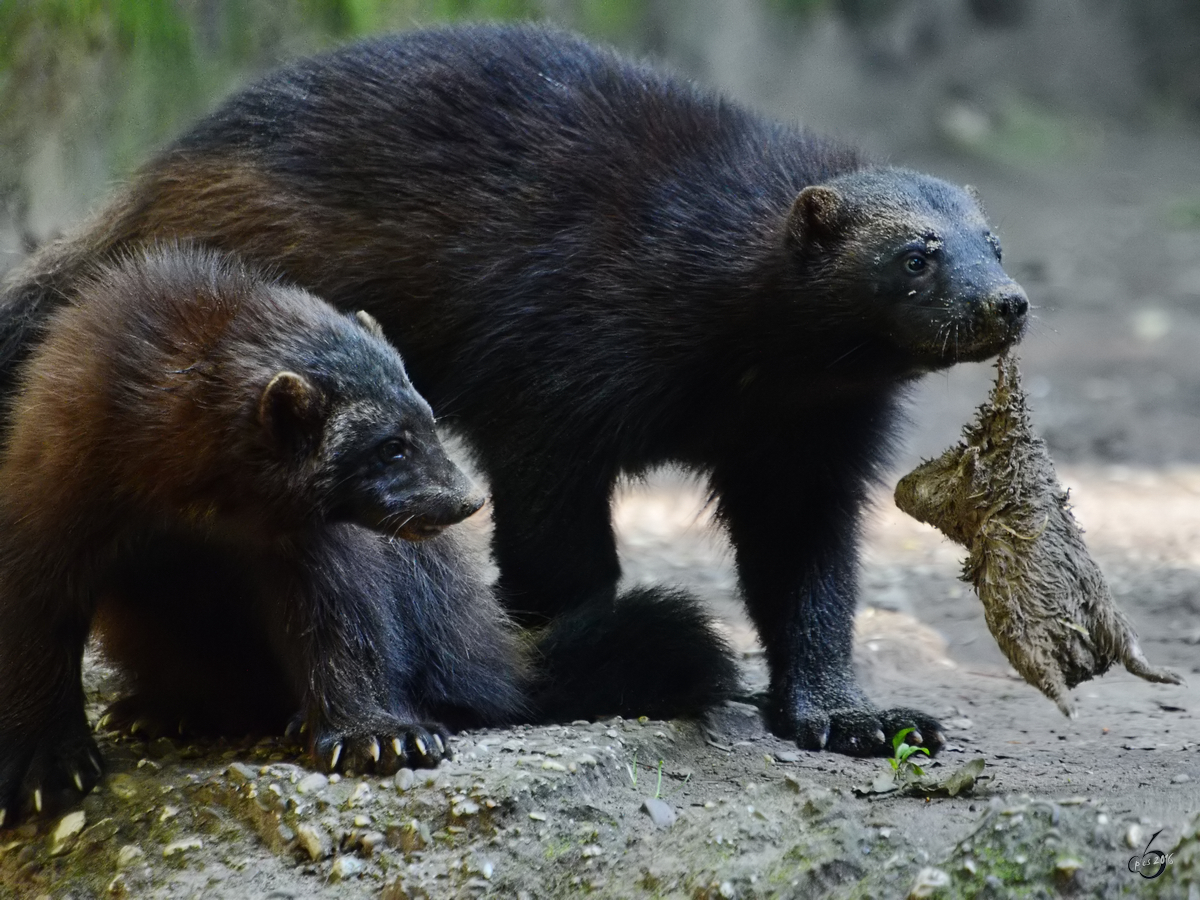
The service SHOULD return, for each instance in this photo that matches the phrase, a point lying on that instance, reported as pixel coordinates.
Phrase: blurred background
(1078, 120)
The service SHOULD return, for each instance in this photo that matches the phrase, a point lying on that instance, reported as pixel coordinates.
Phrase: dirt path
(558, 811)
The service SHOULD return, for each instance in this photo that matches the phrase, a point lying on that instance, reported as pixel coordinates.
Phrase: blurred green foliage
(89, 87)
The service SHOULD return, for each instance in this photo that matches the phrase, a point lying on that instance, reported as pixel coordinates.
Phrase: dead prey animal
(1045, 600)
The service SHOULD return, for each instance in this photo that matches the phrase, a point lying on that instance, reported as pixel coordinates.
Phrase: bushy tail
(652, 653)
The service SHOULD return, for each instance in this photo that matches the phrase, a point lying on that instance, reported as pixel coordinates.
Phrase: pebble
(122, 786)
(68, 827)
(586, 759)
(311, 783)
(661, 814)
(182, 846)
(314, 840)
(405, 779)
(929, 882)
(129, 854)
(345, 867)
(1181, 778)
(538, 816)
(370, 841)
(241, 773)
(1067, 866)
(1134, 836)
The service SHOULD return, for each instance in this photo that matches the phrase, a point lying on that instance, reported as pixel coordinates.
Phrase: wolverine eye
(392, 451)
(915, 263)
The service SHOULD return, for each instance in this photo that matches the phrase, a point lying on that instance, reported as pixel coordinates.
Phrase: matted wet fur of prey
(1044, 598)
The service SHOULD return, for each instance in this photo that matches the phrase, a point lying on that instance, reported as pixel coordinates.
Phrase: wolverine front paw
(46, 774)
(380, 750)
(865, 730)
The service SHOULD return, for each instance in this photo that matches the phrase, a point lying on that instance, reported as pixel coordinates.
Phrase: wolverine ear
(290, 409)
(369, 322)
(815, 214)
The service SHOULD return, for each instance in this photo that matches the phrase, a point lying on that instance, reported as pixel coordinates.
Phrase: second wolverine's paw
(381, 750)
(46, 775)
(865, 731)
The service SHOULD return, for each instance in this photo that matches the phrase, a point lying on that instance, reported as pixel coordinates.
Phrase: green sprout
(900, 760)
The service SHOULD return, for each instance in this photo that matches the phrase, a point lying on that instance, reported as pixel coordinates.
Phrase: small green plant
(901, 760)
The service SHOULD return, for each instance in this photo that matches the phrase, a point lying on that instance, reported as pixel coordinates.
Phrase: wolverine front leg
(338, 630)
(48, 758)
(795, 533)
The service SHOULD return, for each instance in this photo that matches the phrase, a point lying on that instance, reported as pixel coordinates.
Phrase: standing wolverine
(592, 268)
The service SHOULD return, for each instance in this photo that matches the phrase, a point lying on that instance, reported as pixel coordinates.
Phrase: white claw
(335, 756)
(103, 723)
(96, 764)
(397, 746)
(78, 781)
(437, 739)
(37, 799)
(373, 750)
(880, 737)
(3, 816)
(421, 748)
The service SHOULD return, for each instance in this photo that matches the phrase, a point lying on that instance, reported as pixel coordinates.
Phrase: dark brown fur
(193, 456)
(593, 268)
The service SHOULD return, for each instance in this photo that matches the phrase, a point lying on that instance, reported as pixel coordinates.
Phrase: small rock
(128, 855)
(464, 808)
(370, 842)
(123, 786)
(590, 850)
(1134, 836)
(361, 795)
(412, 836)
(661, 814)
(1067, 866)
(586, 759)
(182, 846)
(1181, 778)
(314, 840)
(311, 783)
(100, 833)
(538, 816)
(345, 867)
(788, 756)
(405, 779)
(68, 827)
(241, 773)
(929, 882)
(554, 766)
(725, 891)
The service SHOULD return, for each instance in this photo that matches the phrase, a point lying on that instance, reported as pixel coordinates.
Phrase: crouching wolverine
(209, 470)
(214, 468)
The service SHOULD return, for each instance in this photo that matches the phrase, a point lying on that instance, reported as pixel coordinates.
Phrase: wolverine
(591, 269)
(239, 489)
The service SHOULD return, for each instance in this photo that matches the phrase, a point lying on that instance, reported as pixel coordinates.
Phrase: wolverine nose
(471, 505)
(1012, 305)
